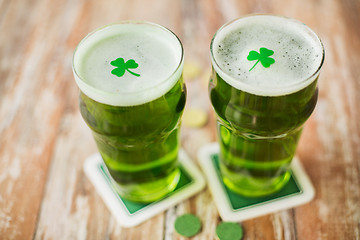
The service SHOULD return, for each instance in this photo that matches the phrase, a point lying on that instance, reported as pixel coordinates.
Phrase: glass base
(149, 191)
(257, 187)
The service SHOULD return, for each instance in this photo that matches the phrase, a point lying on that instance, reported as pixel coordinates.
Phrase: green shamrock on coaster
(262, 57)
(122, 66)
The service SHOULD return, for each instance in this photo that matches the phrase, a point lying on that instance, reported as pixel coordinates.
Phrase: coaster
(129, 213)
(234, 207)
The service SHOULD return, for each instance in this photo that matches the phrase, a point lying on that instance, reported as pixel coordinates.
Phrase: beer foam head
(298, 54)
(148, 59)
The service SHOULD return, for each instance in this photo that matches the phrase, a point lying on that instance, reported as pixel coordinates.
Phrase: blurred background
(44, 193)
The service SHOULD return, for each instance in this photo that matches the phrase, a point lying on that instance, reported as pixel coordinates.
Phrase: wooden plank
(30, 110)
(71, 207)
(332, 160)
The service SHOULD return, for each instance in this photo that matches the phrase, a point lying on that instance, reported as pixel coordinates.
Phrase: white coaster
(234, 207)
(129, 213)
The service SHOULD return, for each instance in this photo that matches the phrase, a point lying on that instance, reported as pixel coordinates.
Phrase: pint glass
(132, 96)
(263, 88)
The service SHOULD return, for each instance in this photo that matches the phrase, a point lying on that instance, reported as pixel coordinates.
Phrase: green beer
(262, 104)
(132, 96)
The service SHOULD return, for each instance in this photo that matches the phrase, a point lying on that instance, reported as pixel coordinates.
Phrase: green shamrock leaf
(262, 57)
(122, 66)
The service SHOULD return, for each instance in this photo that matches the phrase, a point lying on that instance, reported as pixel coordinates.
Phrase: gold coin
(194, 117)
(191, 70)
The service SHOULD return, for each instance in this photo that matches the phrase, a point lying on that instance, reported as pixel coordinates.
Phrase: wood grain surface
(44, 193)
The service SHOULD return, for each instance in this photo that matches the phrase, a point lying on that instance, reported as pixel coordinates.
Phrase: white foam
(298, 54)
(157, 51)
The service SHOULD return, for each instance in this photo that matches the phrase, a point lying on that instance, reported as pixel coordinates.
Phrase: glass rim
(305, 81)
(82, 84)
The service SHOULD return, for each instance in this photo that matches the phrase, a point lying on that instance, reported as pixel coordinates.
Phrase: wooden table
(44, 193)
